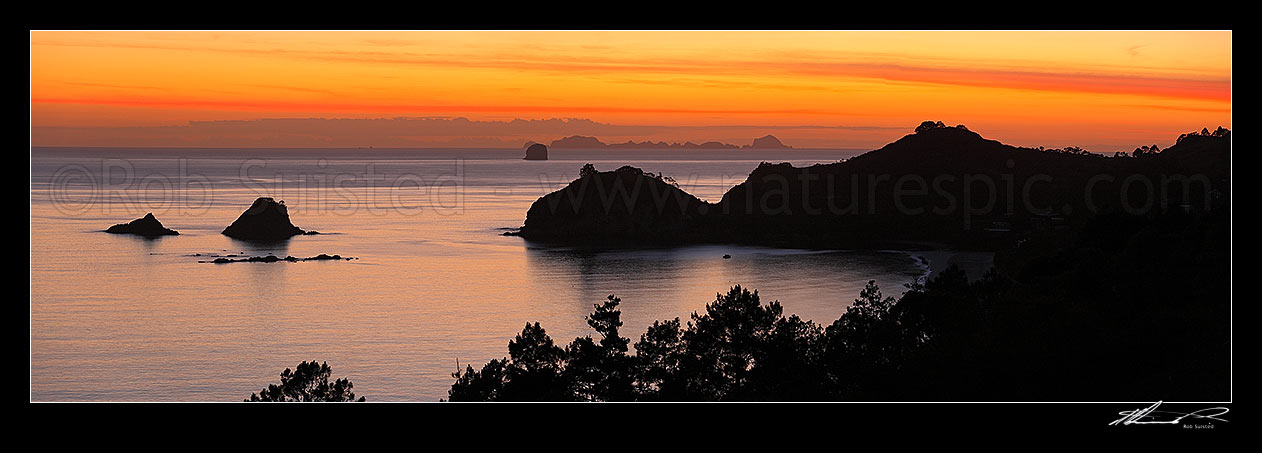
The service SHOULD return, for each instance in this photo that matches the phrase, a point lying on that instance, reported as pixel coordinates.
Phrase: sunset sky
(1106, 91)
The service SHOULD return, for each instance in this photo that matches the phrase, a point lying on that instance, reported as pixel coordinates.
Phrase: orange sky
(1103, 90)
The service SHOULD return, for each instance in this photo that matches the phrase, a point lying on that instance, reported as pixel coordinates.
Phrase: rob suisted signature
(1151, 416)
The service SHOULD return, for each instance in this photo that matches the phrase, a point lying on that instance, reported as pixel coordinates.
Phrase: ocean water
(434, 282)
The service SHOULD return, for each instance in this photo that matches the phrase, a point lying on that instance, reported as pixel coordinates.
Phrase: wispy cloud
(890, 67)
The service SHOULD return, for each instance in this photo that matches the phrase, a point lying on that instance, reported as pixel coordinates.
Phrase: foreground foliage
(308, 382)
(1130, 309)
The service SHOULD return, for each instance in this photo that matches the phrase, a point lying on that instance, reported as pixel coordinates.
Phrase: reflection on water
(115, 317)
(663, 283)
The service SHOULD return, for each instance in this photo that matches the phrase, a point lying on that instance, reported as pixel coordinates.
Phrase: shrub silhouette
(931, 125)
(308, 382)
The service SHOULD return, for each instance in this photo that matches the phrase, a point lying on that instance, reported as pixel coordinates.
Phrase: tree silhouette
(308, 382)
(724, 344)
(587, 170)
(484, 385)
(658, 354)
(531, 372)
(931, 125)
(601, 371)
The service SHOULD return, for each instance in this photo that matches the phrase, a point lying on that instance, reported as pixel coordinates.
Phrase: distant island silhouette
(585, 142)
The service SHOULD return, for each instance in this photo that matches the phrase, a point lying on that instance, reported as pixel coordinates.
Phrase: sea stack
(147, 226)
(537, 151)
(265, 220)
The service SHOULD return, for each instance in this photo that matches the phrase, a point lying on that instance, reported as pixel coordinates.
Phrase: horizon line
(447, 148)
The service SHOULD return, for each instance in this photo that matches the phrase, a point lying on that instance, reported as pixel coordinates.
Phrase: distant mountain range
(584, 142)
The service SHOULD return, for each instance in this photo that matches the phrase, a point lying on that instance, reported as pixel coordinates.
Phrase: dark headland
(941, 184)
(147, 226)
(265, 220)
(654, 211)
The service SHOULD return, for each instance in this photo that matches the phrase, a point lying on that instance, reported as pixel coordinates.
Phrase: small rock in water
(265, 220)
(727, 257)
(274, 258)
(147, 226)
(537, 151)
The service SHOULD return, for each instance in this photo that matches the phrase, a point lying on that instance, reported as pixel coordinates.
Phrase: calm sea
(121, 318)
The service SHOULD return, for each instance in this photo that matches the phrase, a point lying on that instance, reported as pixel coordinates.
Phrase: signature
(1151, 416)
